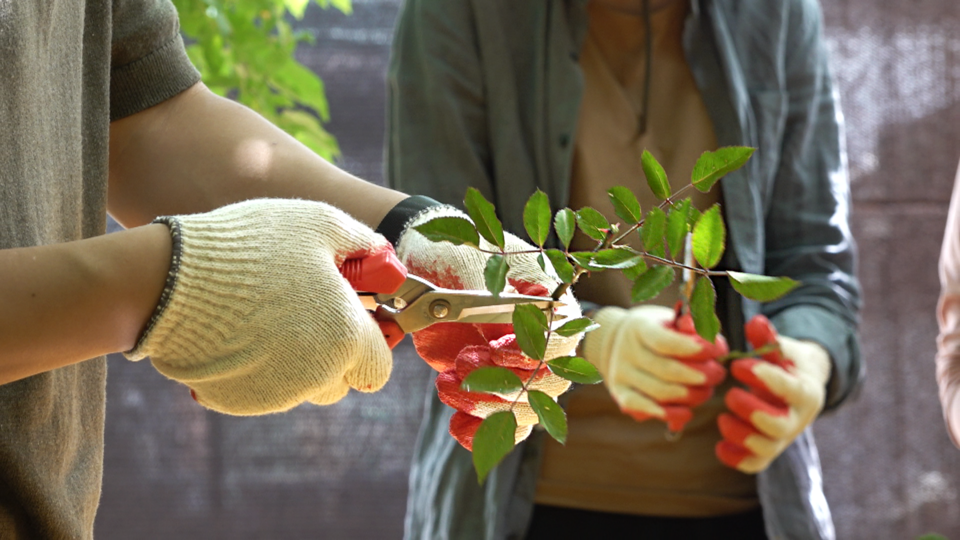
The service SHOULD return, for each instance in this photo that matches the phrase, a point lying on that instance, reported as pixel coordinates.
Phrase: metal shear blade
(418, 303)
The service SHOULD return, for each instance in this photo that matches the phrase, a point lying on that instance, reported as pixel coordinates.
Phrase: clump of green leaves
(674, 235)
(244, 50)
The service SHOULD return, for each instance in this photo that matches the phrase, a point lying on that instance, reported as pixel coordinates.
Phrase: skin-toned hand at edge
(69, 302)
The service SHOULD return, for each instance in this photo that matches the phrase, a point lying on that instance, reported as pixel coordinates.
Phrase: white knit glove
(654, 365)
(256, 317)
(787, 390)
(456, 349)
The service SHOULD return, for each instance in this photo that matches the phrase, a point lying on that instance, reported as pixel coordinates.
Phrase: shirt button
(564, 140)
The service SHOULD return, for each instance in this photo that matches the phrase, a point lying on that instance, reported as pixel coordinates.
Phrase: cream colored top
(610, 462)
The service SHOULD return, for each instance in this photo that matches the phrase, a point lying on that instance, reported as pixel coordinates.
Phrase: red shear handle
(380, 272)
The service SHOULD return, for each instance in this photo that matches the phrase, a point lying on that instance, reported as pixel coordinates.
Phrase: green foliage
(244, 49)
(592, 223)
(550, 414)
(576, 326)
(703, 301)
(625, 204)
(656, 176)
(649, 285)
(484, 215)
(493, 441)
(666, 226)
(761, 288)
(536, 217)
(560, 263)
(492, 379)
(713, 166)
(576, 369)
(652, 232)
(678, 227)
(709, 237)
(495, 274)
(565, 222)
(529, 325)
(931, 536)
(455, 230)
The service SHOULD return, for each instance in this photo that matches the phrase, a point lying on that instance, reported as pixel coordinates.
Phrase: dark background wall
(174, 470)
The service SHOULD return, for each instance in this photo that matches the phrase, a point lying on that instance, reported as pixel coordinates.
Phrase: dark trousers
(556, 523)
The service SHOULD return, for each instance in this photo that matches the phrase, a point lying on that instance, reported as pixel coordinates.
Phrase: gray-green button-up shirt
(486, 93)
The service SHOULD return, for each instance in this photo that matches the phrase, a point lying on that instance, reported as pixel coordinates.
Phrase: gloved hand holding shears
(653, 362)
(455, 350)
(787, 389)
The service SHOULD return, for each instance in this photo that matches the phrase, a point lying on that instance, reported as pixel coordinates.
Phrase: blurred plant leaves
(244, 50)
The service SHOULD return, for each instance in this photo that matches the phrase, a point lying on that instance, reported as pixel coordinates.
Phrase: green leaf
(652, 232)
(536, 217)
(530, 326)
(703, 303)
(560, 264)
(483, 213)
(551, 415)
(494, 439)
(931, 536)
(649, 285)
(592, 223)
(625, 204)
(455, 230)
(761, 288)
(708, 238)
(576, 369)
(490, 380)
(635, 271)
(713, 166)
(565, 223)
(607, 259)
(677, 228)
(656, 176)
(495, 274)
(576, 326)
(693, 217)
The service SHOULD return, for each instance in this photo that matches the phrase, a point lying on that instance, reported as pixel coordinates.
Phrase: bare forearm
(65, 303)
(197, 152)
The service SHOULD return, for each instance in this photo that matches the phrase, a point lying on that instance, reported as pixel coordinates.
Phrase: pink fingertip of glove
(760, 332)
(731, 454)
(744, 404)
(450, 393)
(463, 428)
(440, 343)
(734, 429)
(675, 416)
(742, 370)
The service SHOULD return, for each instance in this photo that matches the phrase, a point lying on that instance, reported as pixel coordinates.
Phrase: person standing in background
(235, 291)
(563, 96)
(948, 318)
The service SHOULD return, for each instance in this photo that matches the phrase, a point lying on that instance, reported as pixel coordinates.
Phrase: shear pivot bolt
(440, 309)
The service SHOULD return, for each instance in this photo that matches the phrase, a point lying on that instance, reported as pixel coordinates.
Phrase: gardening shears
(403, 303)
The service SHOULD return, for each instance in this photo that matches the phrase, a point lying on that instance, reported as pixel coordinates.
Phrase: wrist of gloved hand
(786, 390)
(654, 364)
(256, 318)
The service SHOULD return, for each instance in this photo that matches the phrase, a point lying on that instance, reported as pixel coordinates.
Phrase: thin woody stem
(540, 364)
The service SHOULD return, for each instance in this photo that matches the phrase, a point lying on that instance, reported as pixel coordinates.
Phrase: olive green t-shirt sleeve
(149, 63)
